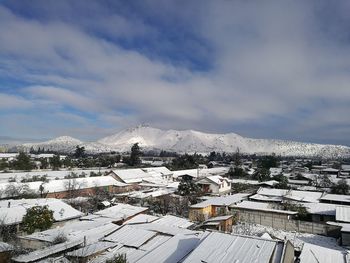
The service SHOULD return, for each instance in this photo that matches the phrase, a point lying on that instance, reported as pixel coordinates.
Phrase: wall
(280, 221)
(345, 239)
(200, 214)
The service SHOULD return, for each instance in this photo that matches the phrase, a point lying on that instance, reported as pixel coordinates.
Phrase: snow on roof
(320, 208)
(343, 214)
(5, 247)
(302, 182)
(91, 249)
(330, 170)
(173, 250)
(259, 206)
(266, 198)
(190, 172)
(132, 254)
(131, 175)
(304, 196)
(164, 229)
(149, 193)
(219, 247)
(91, 230)
(46, 252)
(121, 211)
(18, 208)
(243, 181)
(50, 174)
(163, 170)
(170, 220)
(270, 183)
(272, 192)
(130, 236)
(216, 179)
(222, 200)
(219, 218)
(334, 197)
(141, 218)
(56, 186)
(319, 254)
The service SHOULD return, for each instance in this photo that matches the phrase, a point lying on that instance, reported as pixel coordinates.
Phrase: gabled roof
(18, 208)
(131, 175)
(259, 206)
(219, 247)
(222, 200)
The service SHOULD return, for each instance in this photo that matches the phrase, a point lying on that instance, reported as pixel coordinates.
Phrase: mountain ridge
(190, 141)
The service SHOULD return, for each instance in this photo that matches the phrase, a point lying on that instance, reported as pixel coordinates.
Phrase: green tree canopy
(23, 162)
(37, 218)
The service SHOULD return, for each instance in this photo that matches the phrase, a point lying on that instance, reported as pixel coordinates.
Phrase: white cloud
(269, 59)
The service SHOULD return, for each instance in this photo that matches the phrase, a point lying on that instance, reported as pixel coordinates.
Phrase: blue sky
(263, 69)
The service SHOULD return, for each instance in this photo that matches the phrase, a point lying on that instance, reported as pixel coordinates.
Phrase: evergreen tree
(37, 218)
(23, 162)
(135, 155)
(55, 162)
(79, 152)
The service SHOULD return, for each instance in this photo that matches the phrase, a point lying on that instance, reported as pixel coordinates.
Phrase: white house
(214, 184)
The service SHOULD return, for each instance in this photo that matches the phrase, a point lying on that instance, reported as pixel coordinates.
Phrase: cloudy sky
(263, 69)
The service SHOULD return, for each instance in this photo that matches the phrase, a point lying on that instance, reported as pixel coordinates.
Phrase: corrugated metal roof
(170, 220)
(218, 247)
(221, 200)
(141, 218)
(130, 236)
(121, 211)
(319, 254)
(342, 214)
(174, 250)
(18, 208)
(91, 249)
(334, 197)
(259, 206)
(46, 252)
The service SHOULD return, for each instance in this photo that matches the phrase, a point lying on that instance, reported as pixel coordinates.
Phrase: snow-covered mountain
(192, 141)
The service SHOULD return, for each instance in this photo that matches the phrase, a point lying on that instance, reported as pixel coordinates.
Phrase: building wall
(345, 238)
(87, 191)
(200, 214)
(5, 256)
(226, 225)
(225, 187)
(288, 254)
(280, 221)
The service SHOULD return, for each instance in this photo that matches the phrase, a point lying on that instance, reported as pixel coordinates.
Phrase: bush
(120, 258)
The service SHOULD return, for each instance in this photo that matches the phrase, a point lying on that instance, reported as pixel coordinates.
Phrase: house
(214, 206)
(12, 211)
(214, 185)
(129, 176)
(165, 173)
(219, 223)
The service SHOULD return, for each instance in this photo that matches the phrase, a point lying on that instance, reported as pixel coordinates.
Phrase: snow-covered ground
(298, 239)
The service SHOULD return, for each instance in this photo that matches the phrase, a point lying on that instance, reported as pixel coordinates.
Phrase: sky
(262, 69)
